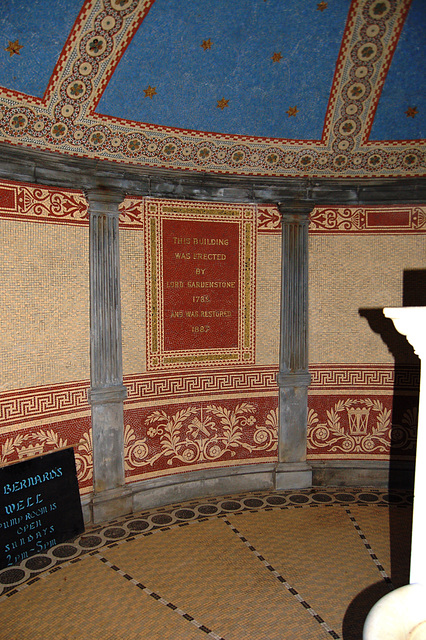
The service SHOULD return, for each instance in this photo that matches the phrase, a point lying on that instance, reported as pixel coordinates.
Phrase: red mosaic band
(34, 203)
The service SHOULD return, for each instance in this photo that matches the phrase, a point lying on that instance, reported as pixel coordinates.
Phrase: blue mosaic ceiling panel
(404, 90)
(250, 87)
(40, 28)
(261, 57)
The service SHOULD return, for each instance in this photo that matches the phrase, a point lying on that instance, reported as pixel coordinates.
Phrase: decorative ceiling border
(65, 120)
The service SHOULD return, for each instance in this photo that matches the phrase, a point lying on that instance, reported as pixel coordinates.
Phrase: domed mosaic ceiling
(250, 87)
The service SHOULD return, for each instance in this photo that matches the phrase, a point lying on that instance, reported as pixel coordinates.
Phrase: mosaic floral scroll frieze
(362, 413)
(27, 443)
(84, 459)
(361, 426)
(348, 428)
(183, 436)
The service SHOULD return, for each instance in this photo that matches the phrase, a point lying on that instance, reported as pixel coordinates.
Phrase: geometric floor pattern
(299, 565)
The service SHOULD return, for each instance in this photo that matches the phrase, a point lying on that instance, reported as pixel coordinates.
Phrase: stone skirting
(159, 492)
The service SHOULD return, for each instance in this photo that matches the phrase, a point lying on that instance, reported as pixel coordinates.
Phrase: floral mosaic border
(362, 412)
(23, 201)
(355, 412)
(360, 426)
(26, 442)
(200, 434)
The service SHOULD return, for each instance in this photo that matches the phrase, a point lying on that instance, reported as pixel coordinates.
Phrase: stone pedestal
(107, 391)
(293, 379)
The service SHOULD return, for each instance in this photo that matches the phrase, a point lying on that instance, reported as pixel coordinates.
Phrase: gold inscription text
(209, 256)
(201, 329)
(210, 285)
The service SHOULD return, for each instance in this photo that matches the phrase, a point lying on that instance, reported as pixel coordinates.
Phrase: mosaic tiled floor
(293, 565)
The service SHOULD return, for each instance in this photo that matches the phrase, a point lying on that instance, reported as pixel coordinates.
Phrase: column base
(111, 503)
(293, 475)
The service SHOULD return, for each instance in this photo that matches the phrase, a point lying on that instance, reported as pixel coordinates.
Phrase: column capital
(103, 200)
(296, 211)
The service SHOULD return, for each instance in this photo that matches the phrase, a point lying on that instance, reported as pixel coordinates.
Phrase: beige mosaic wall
(349, 273)
(132, 270)
(268, 299)
(44, 295)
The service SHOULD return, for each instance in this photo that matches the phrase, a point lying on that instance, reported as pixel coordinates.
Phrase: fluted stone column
(107, 391)
(293, 378)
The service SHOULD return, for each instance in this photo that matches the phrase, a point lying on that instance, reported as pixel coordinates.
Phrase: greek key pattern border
(364, 376)
(158, 386)
(24, 405)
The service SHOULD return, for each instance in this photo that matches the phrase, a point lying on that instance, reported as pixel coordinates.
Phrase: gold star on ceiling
(411, 112)
(276, 57)
(207, 44)
(14, 47)
(321, 6)
(221, 104)
(292, 111)
(150, 92)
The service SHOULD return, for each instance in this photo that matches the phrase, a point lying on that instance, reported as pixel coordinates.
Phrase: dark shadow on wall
(414, 288)
(406, 381)
(404, 401)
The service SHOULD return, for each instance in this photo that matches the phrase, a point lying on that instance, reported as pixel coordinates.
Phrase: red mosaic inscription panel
(201, 283)
(200, 266)
(385, 218)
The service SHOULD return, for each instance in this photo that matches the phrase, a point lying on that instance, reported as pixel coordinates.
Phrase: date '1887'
(201, 328)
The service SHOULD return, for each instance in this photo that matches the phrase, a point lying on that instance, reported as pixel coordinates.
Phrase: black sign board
(39, 505)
